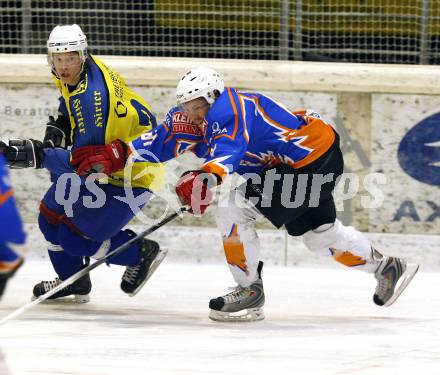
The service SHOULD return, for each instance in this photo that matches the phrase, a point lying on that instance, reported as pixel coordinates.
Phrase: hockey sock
(77, 245)
(129, 257)
(65, 265)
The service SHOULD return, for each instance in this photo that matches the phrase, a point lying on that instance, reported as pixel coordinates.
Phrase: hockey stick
(92, 266)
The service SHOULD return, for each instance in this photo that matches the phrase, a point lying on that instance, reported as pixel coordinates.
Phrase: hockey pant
(91, 232)
(236, 221)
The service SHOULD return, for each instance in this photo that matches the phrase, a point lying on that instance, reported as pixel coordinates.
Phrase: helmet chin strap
(83, 55)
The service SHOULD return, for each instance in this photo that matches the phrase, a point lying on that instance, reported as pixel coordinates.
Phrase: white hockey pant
(236, 220)
(346, 245)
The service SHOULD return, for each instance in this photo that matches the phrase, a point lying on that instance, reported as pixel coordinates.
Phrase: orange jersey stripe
(234, 108)
(216, 169)
(319, 137)
(269, 119)
(6, 267)
(5, 196)
(243, 116)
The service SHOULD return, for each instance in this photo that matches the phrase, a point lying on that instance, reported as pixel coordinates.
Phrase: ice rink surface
(318, 321)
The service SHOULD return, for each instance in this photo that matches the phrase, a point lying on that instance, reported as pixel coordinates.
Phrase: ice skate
(243, 304)
(135, 277)
(77, 292)
(393, 275)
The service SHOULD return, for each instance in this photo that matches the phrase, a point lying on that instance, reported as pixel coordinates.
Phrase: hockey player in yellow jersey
(95, 108)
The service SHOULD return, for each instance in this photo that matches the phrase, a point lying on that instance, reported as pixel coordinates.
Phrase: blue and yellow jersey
(103, 108)
(11, 227)
(243, 133)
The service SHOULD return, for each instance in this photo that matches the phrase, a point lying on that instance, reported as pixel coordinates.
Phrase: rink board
(377, 105)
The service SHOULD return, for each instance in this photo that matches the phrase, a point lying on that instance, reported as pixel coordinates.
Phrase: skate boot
(135, 277)
(243, 304)
(7, 270)
(393, 275)
(79, 290)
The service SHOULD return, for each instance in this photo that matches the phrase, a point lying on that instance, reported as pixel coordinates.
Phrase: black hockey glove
(57, 132)
(23, 153)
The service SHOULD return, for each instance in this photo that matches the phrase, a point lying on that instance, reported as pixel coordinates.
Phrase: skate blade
(405, 279)
(247, 315)
(156, 263)
(73, 299)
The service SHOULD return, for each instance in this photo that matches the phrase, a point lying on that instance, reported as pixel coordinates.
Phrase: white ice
(318, 321)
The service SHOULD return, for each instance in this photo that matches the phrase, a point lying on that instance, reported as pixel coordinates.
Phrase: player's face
(196, 109)
(68, 67)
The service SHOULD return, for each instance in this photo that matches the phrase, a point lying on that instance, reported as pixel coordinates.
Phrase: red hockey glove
(105, 159)
(193, 189)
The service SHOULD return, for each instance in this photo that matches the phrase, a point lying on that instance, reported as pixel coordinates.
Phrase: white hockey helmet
(199, 82)
(66, 38)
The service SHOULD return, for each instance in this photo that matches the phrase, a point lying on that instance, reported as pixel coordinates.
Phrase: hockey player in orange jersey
(291, 160)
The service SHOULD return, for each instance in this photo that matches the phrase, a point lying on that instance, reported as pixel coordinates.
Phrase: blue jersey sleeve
(226, 130)
(176, 135)
(11, 227)
(151, 146)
